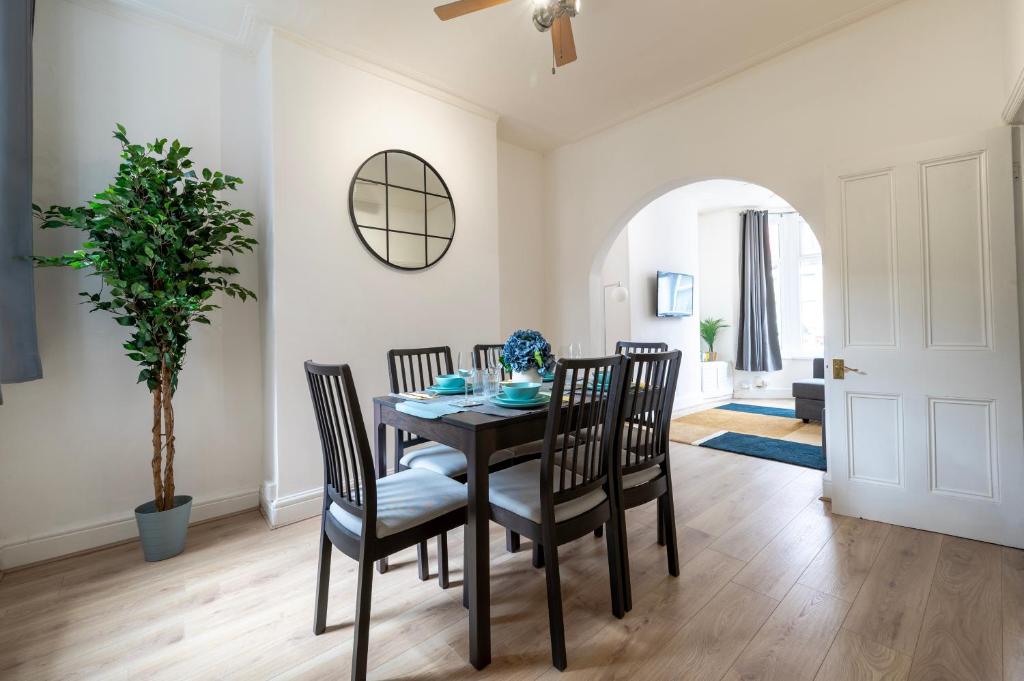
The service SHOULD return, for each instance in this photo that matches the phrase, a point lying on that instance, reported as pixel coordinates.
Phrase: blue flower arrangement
(526, 349)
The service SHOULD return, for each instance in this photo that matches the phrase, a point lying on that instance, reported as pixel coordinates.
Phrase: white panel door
(922, 300)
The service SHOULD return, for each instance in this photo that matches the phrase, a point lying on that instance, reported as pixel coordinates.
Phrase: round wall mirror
(402, 210)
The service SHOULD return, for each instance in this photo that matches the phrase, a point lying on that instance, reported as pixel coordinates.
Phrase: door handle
(840, 369)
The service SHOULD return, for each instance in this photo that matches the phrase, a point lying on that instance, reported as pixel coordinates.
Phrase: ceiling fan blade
(562, 41)
(460, 7)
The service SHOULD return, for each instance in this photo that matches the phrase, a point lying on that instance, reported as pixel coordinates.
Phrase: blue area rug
(765, 411)
(795, 453)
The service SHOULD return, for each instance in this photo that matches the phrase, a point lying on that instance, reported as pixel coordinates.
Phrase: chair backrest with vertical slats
(646, 413)
(581, 429)
(638, 347)
(348, 467)
(414, 369)
(489, 355)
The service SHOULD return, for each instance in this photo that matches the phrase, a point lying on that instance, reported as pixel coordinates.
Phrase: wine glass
(468, 370)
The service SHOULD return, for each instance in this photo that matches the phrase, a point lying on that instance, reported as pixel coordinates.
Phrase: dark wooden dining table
(478, 436)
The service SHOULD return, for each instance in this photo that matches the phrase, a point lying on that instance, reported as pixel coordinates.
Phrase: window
(797, 275)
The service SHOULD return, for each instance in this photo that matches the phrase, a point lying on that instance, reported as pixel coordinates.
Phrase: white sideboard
(715, 381)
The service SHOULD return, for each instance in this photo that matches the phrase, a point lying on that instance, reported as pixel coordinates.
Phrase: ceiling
(715, 195)
(634, 54)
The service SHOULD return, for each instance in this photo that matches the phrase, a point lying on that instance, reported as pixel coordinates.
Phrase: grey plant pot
(163, 532)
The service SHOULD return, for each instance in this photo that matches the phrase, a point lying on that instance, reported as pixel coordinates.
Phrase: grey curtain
(759, 325)
(19, 354)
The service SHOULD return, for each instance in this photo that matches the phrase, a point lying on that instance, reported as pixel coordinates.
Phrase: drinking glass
(465, 362)
(469, 372)
(492, 379)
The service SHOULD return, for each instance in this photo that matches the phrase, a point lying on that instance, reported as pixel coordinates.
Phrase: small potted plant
(526, 354)
(155, 238)
(709, 329)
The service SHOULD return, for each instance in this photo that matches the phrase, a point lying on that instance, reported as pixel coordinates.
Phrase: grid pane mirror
(402, 210)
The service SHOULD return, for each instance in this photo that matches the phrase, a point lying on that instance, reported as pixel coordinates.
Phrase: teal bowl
(450, 381)
(520, 390)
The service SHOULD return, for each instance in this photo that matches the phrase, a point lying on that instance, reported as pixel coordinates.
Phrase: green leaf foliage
(155, 238)
(709, 329)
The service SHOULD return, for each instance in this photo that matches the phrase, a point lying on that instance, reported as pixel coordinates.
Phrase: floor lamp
(620, 294)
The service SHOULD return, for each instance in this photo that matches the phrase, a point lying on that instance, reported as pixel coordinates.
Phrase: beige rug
(695, 428)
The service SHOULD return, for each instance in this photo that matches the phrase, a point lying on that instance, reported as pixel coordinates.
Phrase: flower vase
(531, 375)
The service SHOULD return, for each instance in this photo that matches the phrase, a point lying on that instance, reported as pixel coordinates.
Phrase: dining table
(478, 432)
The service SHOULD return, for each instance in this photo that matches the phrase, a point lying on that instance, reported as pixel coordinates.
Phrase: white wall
(1013, 56)
(75, 446)
(332, 300)
(923, 69)
(616, 269)
(664, 236)
(719, 236)
(522, 240)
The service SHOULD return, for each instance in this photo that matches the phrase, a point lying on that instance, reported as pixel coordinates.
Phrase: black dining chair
(488, 355)
(638, 347)
(644, 473)
(364, 517)
(554, 504)
(414, 370)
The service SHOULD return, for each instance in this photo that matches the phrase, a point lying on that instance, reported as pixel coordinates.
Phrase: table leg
(477, 557)
(381, 449)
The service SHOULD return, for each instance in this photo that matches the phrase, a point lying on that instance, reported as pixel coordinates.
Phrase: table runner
(443, 405)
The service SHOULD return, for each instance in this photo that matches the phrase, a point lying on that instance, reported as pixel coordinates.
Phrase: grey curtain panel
(19, 353)
(759, 323)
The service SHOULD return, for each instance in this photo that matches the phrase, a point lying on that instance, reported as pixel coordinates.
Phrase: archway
(695, 230)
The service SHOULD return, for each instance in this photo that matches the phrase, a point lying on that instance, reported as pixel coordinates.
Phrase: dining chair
(414, 370)
(632, 348)
(555, 504)
(637, 347)
(644, 473)
(489, 354)
(364, 517)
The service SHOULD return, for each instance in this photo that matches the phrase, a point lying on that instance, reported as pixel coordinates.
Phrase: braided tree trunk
(158, 483)
(163, 439)
(168, 394)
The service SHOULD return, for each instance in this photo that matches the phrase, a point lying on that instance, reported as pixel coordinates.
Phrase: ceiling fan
(548, 15)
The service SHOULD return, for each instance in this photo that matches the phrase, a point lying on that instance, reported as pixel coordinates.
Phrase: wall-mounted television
(675, 294)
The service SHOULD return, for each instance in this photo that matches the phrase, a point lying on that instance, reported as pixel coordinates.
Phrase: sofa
(810, 394)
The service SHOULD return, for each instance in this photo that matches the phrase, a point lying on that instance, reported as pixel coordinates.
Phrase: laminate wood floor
(772, 586)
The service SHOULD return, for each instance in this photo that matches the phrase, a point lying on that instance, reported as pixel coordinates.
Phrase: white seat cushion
(640, 477)
(517, 489)
(444, 460)
(406, 499)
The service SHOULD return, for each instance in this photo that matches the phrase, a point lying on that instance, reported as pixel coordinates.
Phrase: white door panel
(921, 291)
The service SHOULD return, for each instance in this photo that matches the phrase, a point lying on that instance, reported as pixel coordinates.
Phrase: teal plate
(449, 391)
(538, 401)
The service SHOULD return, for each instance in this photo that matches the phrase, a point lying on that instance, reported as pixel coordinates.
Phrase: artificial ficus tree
(155, 238)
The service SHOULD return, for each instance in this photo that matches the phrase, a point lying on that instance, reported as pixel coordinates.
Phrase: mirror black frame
(387, 228)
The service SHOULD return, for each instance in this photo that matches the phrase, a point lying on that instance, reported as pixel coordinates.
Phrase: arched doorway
(692, 234)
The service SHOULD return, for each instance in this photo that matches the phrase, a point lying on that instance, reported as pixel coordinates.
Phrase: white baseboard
(693, 408)
(292, 508)
(764, 394)
(60, 544)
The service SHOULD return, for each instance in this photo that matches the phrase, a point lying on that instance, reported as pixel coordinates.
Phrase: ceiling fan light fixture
(543, 15)
(545, 12)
